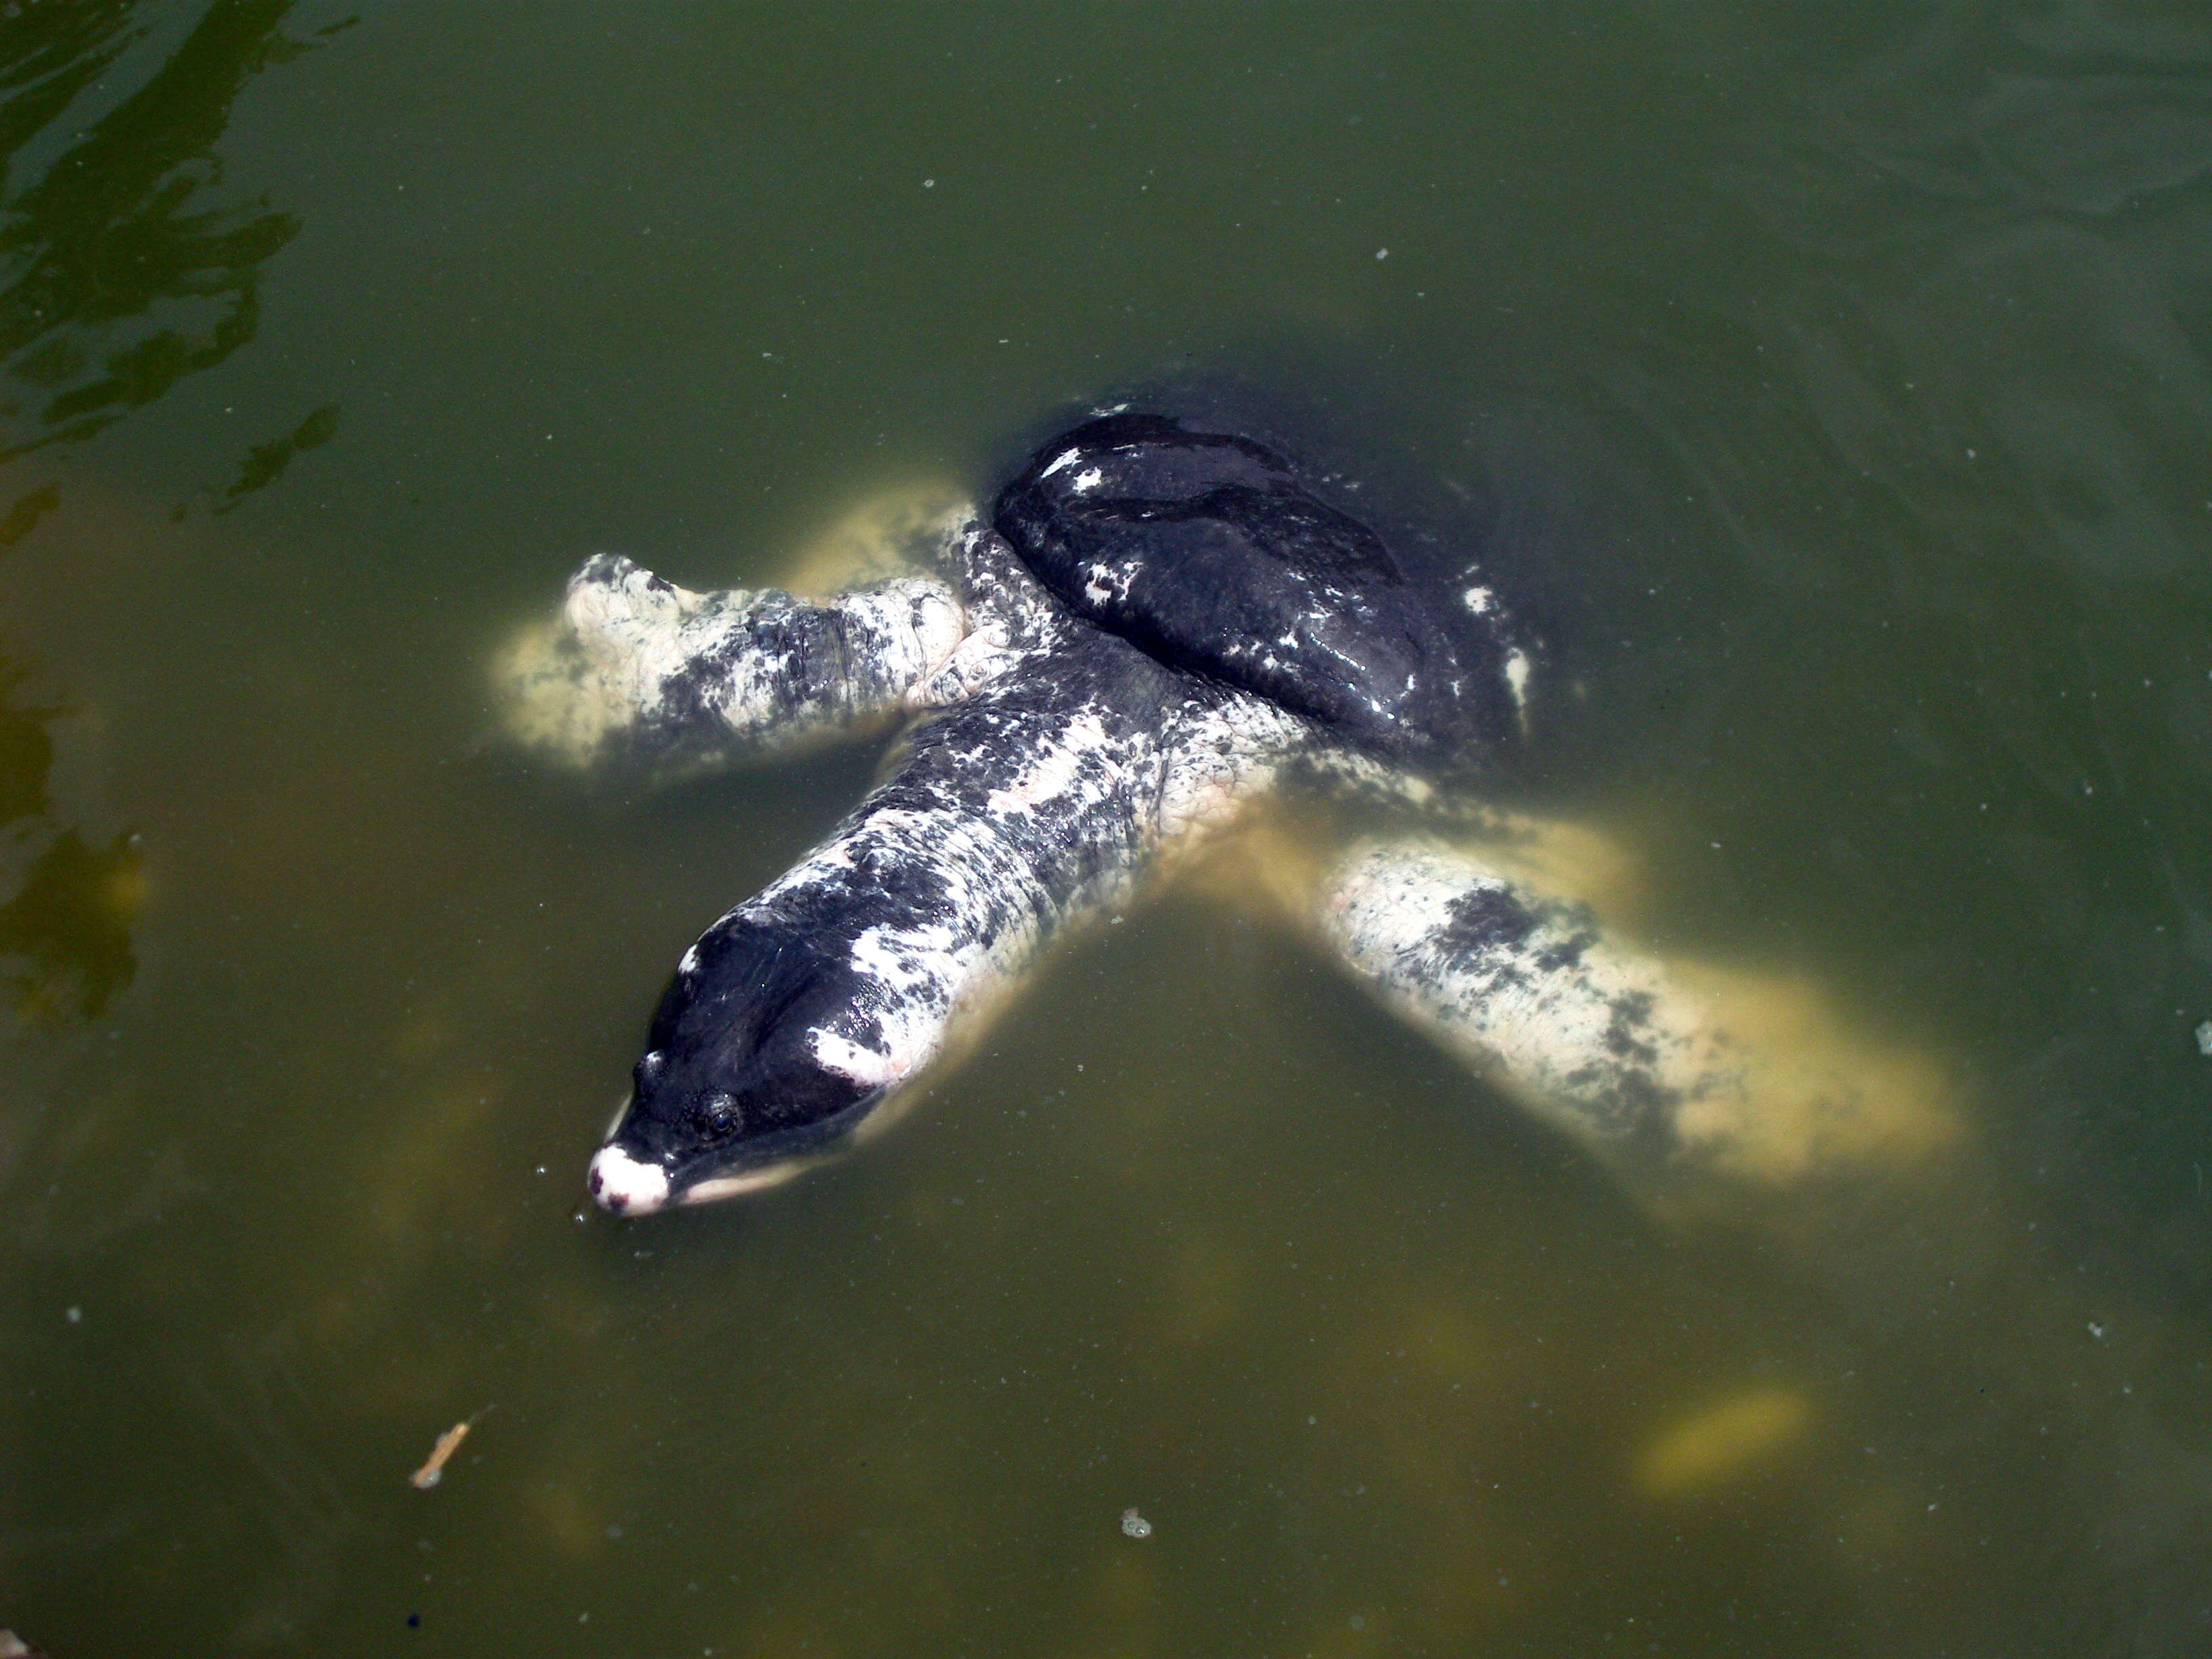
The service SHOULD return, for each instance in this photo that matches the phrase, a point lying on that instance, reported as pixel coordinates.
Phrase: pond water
(1846, 368)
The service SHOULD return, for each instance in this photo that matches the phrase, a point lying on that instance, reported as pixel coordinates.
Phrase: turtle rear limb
(1677, 1074)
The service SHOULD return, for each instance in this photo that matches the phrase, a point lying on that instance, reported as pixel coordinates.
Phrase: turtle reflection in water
(1159, 624)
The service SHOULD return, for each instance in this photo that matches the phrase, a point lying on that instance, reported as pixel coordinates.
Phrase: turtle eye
(720, 1113)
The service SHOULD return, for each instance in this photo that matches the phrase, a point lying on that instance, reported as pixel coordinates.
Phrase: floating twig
(434, 1467)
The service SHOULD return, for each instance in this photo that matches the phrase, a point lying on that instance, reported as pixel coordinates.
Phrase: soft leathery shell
(1208, 551)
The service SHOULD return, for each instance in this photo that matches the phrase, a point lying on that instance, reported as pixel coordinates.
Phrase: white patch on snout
(1479, 600)
(626, 1185)
(1089, 479)
(1068, 458)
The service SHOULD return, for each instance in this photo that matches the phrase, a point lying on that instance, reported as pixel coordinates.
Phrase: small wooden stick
(434, 1467)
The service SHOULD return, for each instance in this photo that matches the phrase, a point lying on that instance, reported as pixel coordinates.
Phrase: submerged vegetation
(125, 266)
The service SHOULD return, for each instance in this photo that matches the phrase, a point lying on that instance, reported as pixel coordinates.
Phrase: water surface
(1842, 371)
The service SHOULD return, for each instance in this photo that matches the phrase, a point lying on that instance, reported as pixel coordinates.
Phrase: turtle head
(735, 1093)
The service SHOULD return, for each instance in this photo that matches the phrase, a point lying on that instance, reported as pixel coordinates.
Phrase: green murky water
(1855, 359)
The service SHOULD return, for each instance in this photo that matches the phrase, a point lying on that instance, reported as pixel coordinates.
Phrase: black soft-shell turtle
(1156, 625)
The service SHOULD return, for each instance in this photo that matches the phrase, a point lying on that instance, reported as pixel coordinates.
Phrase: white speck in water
(929, 184)
(1382, 252)
(2204, 1039)
(580, 1217)
(74, 1314)
(2096, 1330)
(541, 1169)
(1516, 679)
(1134, 1525)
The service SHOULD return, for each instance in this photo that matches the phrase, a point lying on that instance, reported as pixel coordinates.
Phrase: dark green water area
(1842, 369)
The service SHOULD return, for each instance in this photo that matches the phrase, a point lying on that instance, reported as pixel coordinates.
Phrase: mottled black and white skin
(1156, 625)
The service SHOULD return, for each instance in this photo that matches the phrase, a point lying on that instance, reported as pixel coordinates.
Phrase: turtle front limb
(637, 668)
(1667, 1069)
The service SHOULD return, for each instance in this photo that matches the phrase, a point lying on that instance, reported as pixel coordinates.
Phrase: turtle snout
(626, 1185)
